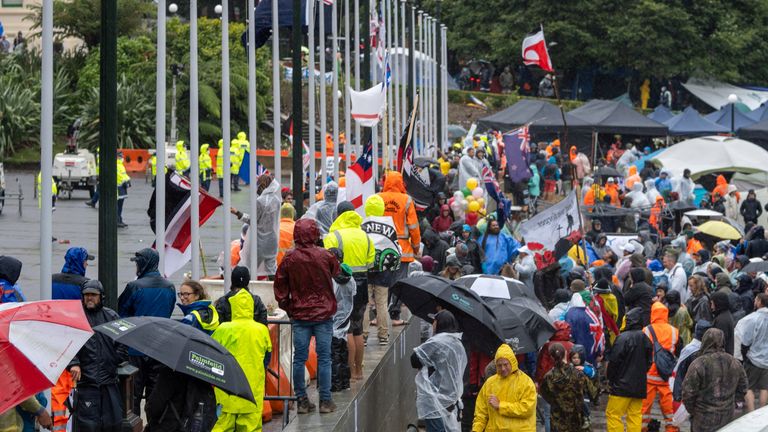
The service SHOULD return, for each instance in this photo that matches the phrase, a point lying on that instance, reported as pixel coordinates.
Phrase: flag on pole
(178, 235)
(305, 156)
(328, 2)
(543, 231)
(535, 51)
(245, 168)
(368, 105)
(402, 146)
(360, 181)
(516, 151)
(378, 34)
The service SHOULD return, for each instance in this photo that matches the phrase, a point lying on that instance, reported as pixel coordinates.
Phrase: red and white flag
(368, 105)
(178, 231)
(360, 180)
(535, 51)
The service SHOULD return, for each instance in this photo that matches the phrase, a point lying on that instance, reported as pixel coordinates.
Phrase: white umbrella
(756, 421)
(703, 213)
(495, 286)
(713, 154)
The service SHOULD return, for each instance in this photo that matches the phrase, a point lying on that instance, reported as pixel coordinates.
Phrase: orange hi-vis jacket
(401, 208)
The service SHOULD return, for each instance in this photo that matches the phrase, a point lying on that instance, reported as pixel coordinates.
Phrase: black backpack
(664, 359)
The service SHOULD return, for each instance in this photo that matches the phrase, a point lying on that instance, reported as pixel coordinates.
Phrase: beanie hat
(240, 277)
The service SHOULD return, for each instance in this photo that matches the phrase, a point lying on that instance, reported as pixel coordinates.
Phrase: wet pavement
(75, 224)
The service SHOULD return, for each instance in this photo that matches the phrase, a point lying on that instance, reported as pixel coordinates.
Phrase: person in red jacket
(545, 362)
(304, 289)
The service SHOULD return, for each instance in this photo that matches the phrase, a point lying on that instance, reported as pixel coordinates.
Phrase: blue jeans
(302, 333)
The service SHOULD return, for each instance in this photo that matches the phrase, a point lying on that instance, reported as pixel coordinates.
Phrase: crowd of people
(667, 314)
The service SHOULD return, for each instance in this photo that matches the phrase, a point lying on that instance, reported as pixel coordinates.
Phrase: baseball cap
(629, 248)
(611, 180)
(524, 249)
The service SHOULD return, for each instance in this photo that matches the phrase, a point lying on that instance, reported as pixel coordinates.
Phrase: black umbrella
(680, 206)
(182, 348)
(524, 322)
(606, 171)
(494, 286)
(422, 295)
(756, 267)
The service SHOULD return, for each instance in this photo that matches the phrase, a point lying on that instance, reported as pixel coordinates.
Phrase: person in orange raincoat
(550, 151)
(656, 210)
(593, 194)
(612, 189)
(669, 339)
(721, 188)
(287, 221)
(632, 178)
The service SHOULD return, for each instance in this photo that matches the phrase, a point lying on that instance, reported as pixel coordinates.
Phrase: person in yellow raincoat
(249, 342)
(237, 153)
(220, 167)
(507, 400)
(54, 191)
(205, 166)
(182, 159)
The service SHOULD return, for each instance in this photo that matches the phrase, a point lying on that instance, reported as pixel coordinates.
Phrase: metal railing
(291, 397)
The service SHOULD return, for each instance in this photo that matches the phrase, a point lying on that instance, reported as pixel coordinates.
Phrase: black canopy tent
(756, 133)
(615, 117)
(545, 119)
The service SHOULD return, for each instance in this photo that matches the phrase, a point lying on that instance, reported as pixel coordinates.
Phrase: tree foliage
(82, 18)
(721, 39)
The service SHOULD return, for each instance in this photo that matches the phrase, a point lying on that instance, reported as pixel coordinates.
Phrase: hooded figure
(679, 316)
(435, 247)
(10, 270)
(324, 212)
(441, 361)
(249, 343)
(205, 165)
(68, 283)
(639, 294)
(182, 159)
(650, 191)
(668, 338)
(544, 363)
(688, 354)
(150, 294)
(513, 407)
(562, 301)
(639, 199)
(443, 222)
(714, 383)
(626, 159)
(469, 167)
(722, 318)
(267, 227)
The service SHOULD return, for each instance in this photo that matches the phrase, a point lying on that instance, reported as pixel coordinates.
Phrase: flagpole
(404, 73)
(358, 149)
(160, 137)
(367, 54)
(420, 134)
(311, 100)
(225, 129)
(398, 51)
(430, 84)
(323, 96)
(46, 154)
(276, 111)
(391, 111)
(194, 138)
(335, 87)
(347, 86)
(435, 87)
(444, 67)
(252, 135)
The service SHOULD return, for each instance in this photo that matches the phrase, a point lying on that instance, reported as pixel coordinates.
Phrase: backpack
(665, 361)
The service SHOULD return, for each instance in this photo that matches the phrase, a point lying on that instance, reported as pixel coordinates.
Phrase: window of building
(13, 3)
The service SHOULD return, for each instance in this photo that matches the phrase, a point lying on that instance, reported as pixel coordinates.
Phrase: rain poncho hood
(650, 191)
(147, 261)
(659, 313)
(712, 342)
(10, 269)
(469, 167)
(505, 352)
(442, 389)
(374, 206)
(349, 219)
(639, 199)
(74, 261)
(305, 233)
(248, 341)
(345, 288)
(324, 212)
(267, 228)
(393, 182)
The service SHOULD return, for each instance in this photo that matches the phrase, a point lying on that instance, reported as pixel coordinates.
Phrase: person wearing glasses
(198, 310)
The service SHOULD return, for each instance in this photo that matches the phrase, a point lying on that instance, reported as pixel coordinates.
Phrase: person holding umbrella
(249, 342)
(98, 405)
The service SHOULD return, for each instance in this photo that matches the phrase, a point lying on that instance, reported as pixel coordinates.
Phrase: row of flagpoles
(396, 26)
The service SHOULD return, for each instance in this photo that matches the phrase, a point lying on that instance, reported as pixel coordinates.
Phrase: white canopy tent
(715, 93)
(713, 154)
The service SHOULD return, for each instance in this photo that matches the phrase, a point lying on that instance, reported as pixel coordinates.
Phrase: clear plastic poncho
(268, 228)
(437, 392)
(345, 294)
(324, 212)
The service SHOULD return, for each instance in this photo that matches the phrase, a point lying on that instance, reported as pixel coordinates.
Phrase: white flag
(368, 105)
(543, 231)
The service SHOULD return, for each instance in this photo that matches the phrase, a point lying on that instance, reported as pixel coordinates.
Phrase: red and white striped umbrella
(37, 341)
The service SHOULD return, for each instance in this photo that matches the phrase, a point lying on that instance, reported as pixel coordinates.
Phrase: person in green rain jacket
(249, 343)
